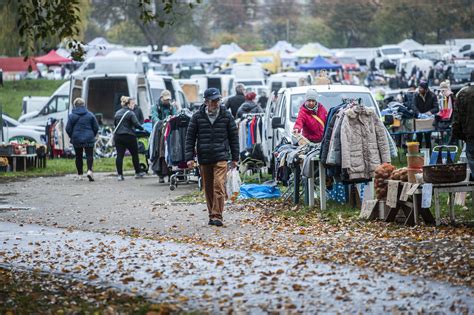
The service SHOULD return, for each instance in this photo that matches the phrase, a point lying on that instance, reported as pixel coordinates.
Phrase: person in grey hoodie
(82, 128)
(249, 107)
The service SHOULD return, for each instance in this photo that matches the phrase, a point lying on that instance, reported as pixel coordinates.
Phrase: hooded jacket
(82, 127)
(248, 108)
(463, 117)
(313, 129)
(214, 141)
(161, 111)
(364, 143)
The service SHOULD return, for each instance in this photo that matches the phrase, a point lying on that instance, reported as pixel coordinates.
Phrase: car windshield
(329, 100)
(392, 51)
(251, 83)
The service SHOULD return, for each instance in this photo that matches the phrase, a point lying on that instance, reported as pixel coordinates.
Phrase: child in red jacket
(311, 118)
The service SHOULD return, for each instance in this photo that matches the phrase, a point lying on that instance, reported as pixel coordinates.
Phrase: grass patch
(196, 196)
(57, 167)
(12, 93)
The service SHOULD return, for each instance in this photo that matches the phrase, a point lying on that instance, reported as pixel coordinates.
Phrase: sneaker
(140, 175)
(218, 223)
(78, 177)
(211, 222)
(161, 180)
(90, 175)
(120, 178)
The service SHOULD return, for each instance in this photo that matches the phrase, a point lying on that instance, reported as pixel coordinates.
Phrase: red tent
(52, 58)
(16, 64)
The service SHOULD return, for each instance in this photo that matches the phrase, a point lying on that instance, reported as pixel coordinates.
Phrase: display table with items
(21, 157)
(412, 189)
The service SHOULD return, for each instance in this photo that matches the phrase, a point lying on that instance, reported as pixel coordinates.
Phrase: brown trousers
(213, 181)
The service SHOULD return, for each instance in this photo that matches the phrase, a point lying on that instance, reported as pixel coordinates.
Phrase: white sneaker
(120, 178)
(78, 177)
(90, 175)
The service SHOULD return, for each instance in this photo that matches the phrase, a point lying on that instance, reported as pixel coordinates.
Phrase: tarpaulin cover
(259, 191)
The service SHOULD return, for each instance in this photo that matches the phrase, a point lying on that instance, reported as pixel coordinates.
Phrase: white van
(102, 93)
(225, 83)
(116, 62)
(158, 83)
(288, 80)
(388, 56)
(33, 103)
(281, 114)
(57, 106)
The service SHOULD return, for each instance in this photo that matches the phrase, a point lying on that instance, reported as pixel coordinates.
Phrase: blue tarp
(319, 63)
(259, 191)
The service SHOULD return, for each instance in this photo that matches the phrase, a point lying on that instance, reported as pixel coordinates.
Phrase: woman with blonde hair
(125, 138)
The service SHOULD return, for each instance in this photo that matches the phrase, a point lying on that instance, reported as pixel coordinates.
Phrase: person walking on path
(311, 118)
(249, 107)
(234, 102)
(425, 102)
(82, 128)
(215, 131)
(463, 122)
(163, 108)
(125, 138)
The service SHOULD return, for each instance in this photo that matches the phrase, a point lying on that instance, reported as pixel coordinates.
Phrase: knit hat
(444, 85)
(311, 94)
(250, 96)
(165, 95)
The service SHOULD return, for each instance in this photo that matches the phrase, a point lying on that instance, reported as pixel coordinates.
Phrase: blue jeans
(470, 157)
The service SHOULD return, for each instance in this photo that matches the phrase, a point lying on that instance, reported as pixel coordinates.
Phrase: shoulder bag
(111, 141)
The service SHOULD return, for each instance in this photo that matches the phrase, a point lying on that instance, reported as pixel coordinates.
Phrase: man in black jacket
(215, 131)
(425, 102)
(234, 102)
(463, 122)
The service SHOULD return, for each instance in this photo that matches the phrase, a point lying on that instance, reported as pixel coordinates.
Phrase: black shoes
(216, 222)
(161, 180)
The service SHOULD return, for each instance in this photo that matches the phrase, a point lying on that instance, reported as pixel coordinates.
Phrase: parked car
(287, 80)
(12, 130)
(55, 106)
(281, 113)
(32, 103)
(348, 63)
(388, 56)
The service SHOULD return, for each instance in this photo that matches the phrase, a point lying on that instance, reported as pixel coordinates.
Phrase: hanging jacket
(248, 108)
(82, 127)
(313, 128)
(214, 141)
(160, 112)
(129, 123)
(364, 143)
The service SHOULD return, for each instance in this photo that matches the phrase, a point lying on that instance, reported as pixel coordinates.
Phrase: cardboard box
(424, 124)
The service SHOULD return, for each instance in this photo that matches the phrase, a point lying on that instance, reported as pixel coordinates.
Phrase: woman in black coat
(82, 128)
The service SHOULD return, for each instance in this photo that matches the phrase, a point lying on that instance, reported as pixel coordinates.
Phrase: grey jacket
(364, 143)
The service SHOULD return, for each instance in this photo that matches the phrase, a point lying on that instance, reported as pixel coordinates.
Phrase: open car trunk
(104, 96)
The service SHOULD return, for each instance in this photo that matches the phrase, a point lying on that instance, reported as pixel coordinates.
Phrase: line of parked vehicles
(102, 86)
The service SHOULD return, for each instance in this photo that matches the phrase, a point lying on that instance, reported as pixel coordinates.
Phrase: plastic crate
(30, 149)
(6, 150)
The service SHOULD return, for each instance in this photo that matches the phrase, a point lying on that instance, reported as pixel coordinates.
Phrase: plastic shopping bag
(233, 184)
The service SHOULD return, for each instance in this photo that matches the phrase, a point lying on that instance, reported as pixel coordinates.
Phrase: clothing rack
(253, 115)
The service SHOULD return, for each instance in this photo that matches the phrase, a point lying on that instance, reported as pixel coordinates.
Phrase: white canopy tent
(221, 53)
(410, 44)
(187, 54)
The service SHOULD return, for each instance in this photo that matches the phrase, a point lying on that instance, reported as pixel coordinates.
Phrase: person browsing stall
(163, 108)
(125, 137)
(212, 130)
(311, 118)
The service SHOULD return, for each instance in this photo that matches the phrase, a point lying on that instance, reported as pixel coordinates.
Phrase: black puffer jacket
(234, 103)
(129, 123)
(214, 141)
(463, 117)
